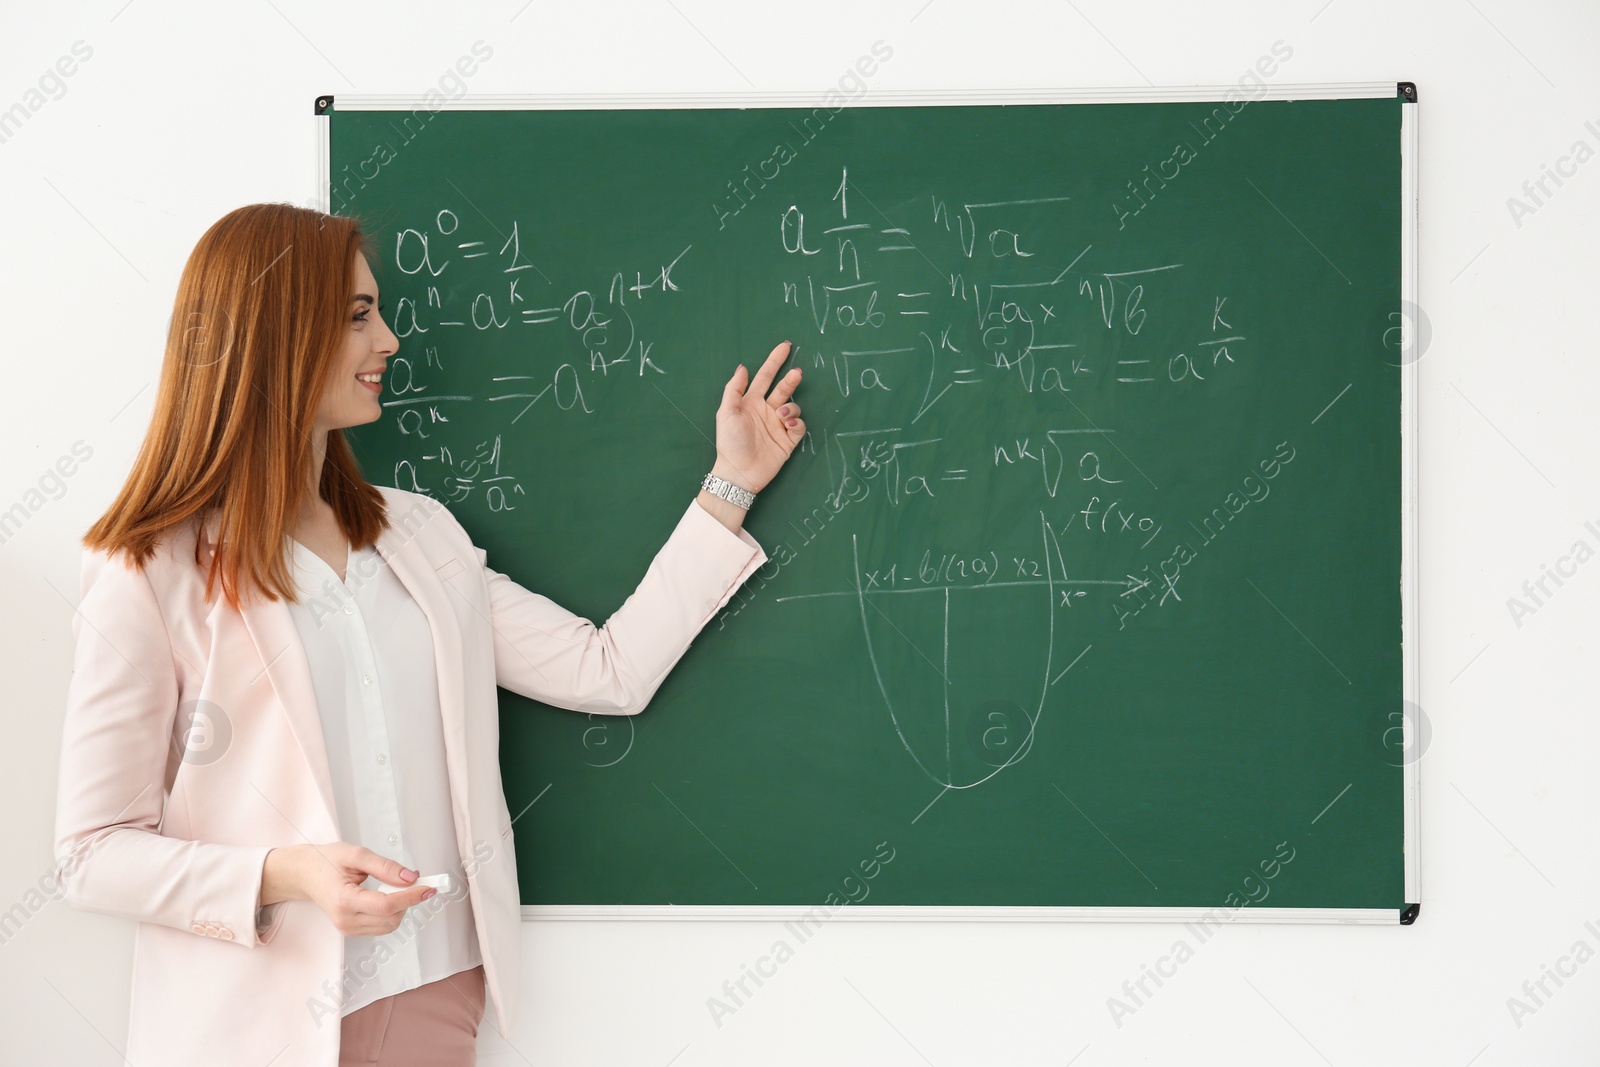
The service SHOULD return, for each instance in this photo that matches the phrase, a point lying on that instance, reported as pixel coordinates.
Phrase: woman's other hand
(331, 875)
(757, 431)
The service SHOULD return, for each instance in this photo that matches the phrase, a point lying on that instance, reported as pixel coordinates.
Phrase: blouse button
(383, 757)
(394, 839)
(349, 609)
(366, 679)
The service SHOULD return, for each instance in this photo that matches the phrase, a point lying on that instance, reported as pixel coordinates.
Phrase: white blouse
(370, 649)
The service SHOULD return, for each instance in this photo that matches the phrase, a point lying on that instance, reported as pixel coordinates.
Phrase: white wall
(187, 110)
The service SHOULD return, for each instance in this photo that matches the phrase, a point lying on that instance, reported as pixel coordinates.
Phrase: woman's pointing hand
(757, 431)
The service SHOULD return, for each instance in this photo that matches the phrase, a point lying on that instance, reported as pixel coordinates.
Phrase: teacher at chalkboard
(284, 683)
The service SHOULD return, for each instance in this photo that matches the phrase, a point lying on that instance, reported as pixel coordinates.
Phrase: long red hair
(257, 327)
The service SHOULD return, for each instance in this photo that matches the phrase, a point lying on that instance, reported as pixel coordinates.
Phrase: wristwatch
(733, 494)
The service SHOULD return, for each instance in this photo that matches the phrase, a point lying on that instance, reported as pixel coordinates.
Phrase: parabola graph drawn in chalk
(918, 720)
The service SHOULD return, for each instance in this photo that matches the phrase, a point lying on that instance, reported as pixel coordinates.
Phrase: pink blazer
(170, 825)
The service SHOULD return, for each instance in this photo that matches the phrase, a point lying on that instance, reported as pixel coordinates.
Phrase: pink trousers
(433, 1025)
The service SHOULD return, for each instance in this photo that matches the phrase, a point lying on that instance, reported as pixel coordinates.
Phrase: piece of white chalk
(441, 882)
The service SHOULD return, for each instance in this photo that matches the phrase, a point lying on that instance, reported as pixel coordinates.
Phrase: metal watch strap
(726, 490)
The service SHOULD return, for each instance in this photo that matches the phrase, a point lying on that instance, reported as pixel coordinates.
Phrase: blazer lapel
(272, 631)
(277, 641)
(427, 587)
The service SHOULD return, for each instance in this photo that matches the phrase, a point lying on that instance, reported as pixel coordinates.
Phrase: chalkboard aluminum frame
(1412, 340)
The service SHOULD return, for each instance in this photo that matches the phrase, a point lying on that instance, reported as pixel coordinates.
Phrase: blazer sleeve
(121, 705)
(547, 653)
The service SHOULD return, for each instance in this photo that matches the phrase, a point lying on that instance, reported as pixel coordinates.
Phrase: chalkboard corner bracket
(323, 104)
(1407, 91)
(1409, 914)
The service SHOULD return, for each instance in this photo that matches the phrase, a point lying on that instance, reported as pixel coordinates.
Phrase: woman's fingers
(741, 385)
(734, 389)
(382, 868)
(356, 911)
(763, 379)
(368, 911)
(372, 926)
(792, 422)
(785, 388)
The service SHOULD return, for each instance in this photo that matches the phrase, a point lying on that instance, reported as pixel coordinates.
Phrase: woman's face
(368, 343)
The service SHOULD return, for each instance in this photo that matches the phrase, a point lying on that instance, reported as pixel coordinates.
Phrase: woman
(283, 708)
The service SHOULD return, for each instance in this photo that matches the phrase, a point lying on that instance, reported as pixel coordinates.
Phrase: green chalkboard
(1085, 587)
